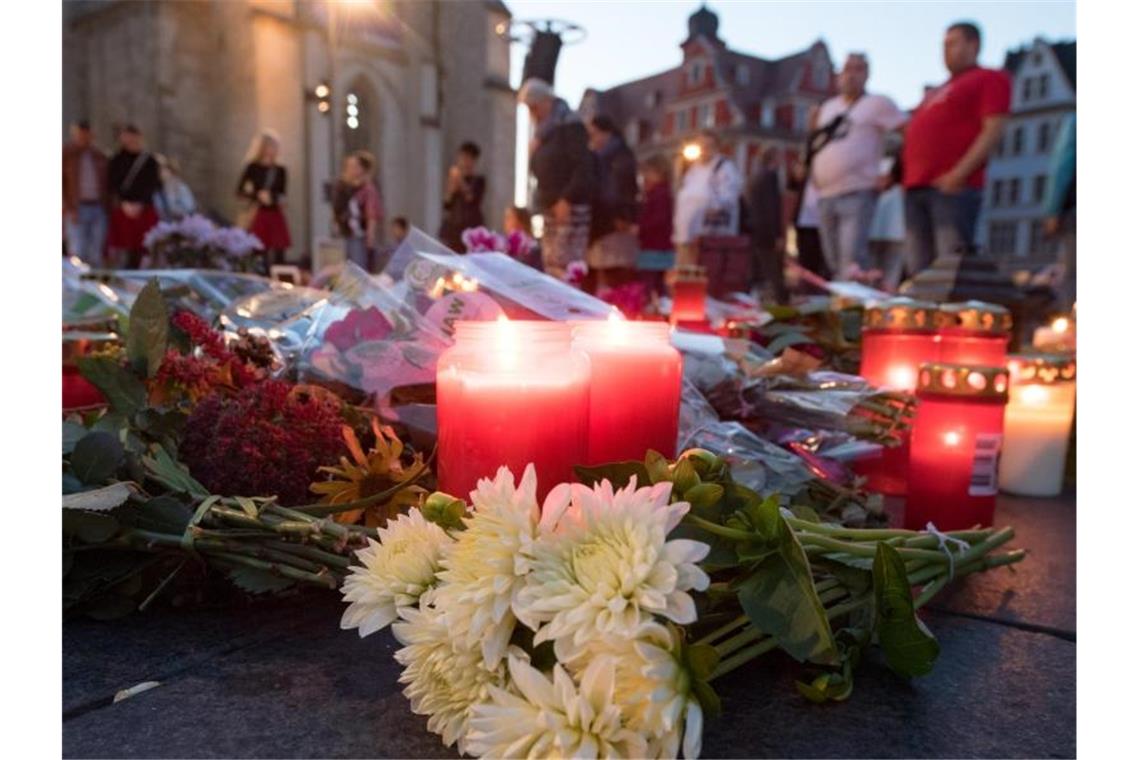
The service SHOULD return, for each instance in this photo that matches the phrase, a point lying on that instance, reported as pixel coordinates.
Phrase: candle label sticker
(983, 476)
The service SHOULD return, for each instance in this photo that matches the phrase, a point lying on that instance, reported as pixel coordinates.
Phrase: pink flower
(519, 244)
(630, 298)
(358, 326)
(575, 273)
(482, 240)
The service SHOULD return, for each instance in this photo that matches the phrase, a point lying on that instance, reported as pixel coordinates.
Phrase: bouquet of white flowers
(591, 626)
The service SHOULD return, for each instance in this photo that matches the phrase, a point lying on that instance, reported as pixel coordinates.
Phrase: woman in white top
(708, 203)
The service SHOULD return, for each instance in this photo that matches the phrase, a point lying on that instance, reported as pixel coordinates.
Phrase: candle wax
(635, 398)
(491, 420)
(1038, 421)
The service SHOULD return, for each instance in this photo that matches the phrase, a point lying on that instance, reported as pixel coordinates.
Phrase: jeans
(356, 250)
(844, 224)
(87, 233)
(938, 224)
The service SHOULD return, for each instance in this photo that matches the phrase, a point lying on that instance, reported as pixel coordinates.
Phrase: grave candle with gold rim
(899, 335)
(973, 332)
(955, 443)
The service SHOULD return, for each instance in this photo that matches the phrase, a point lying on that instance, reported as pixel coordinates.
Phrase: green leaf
(787, 340)
(657, 467)
(704, 499)
(684, 476)
(618, 473)
(124, 391)
(72, 433)
(99, 499)
(96, 457)
(701, 660)
(909, 647)
(171, 473)
(257, 581)
(147, 331)
(444, 510)
(780, 598)
(71, 484)
(162, 514)
(89, 527)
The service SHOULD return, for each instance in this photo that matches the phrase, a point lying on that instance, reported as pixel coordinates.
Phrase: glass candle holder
(1038, 424)
(974, 332)
(509, 393)
(899, 335)
(955, 445)
(635, 389)
(690, 287)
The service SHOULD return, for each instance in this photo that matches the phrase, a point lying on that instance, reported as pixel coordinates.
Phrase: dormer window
(696, 73)
(653, 99)
(742, 75)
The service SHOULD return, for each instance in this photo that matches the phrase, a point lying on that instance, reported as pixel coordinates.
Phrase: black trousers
(768, 270)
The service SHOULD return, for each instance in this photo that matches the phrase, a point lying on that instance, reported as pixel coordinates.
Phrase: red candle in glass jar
(635, 389)
(899, 335)
(690, 287)
(510, 393)
(974, 332)
(955, 445)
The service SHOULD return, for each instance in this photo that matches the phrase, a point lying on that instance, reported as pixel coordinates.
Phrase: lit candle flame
(1060, 324)
(952, 438)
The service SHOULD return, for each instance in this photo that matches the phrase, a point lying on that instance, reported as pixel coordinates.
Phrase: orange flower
(367, 475)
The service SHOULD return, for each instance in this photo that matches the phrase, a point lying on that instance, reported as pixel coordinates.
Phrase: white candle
(1038, 422)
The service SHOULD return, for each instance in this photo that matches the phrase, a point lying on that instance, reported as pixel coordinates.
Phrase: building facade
(1017, 176)
(752, 102)
(408, 80)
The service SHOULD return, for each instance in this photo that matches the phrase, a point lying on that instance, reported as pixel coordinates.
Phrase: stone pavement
(280, 679)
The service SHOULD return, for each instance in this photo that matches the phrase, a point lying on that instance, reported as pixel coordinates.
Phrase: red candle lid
(975, 317)
(963, 381)
(902, 314)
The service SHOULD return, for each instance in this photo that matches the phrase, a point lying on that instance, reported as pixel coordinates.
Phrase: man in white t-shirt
(845, 172)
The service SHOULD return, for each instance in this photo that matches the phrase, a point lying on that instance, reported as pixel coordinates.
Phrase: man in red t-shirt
(945, 148)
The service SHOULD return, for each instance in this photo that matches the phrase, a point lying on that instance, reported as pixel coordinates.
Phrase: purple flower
(519, 244)
(482, 240)
(233, 241)
(575, 273)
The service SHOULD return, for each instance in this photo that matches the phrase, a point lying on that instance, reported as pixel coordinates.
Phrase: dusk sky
(628, 39)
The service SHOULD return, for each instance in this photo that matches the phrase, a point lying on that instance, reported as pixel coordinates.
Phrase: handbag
(717, 219)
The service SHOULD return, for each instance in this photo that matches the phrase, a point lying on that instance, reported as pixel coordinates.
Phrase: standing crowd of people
(880, 193)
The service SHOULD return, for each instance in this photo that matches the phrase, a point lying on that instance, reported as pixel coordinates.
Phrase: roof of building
(766, 78)
(1065, 51)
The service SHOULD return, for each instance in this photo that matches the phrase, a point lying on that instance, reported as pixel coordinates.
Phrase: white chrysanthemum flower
(603, 565)
(443, 679)
(652, 687)
(553, 718)
(486, 567)
(393, 573)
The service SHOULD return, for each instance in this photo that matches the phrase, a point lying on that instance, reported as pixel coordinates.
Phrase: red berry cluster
(268, 439)
(202, 335)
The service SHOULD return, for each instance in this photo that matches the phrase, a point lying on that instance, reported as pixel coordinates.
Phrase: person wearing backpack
(708, 203)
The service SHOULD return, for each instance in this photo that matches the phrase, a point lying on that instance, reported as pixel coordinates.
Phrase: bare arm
(979, 150)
